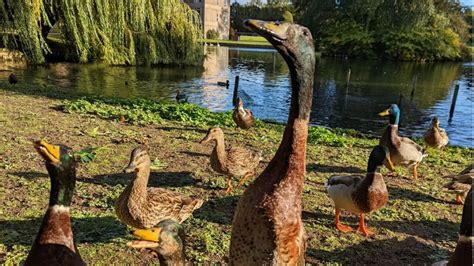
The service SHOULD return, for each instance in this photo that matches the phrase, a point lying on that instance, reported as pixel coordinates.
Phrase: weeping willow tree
(119, 32)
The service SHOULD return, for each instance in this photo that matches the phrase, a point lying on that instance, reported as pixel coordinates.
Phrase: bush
(212, 34)
(348, 38)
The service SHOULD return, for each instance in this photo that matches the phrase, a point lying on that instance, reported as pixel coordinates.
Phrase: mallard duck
(142, 207)
(403, 151)
(181, 97)
(267, 228)
(435, 136)
(358, 194)
(462, 255)
(167, 239)
(242, 117)
(232, 162)
(460, 183)
(12, 79)
(54, 244)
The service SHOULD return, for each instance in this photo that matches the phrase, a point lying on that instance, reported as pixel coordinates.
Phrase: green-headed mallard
(460, 183)
(267, 228)
(167, 239)
(435, 136)
(358, 194)
(242, 117)
(142, 207)
(403, 151)
(232, 162)
(54, 244)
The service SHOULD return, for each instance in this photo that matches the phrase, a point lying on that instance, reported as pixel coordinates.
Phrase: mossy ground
(419, 224)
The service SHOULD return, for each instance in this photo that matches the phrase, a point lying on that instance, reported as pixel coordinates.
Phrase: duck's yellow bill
(385, 113)
(48, 151)
(151, 234)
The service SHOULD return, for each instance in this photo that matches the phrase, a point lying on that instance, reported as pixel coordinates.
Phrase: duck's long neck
(394, 119)
(56, 227)
(290, 158)
(219, 149)
(140, 182)
(61, 193)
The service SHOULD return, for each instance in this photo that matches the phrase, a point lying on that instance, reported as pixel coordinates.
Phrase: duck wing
(165, 204)
(240, 161)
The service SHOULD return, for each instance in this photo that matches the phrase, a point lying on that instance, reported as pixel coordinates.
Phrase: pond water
(264, 87)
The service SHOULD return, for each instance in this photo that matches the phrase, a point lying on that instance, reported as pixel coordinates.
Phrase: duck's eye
(277, 23)
(305, 32)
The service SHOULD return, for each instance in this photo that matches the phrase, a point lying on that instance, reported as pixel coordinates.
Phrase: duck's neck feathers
(219, 150)
(390, 138)
(290, 159)
(140, 183)
(394, 119)
(61, 193)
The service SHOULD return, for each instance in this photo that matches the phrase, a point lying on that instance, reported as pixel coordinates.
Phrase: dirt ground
(419, 225)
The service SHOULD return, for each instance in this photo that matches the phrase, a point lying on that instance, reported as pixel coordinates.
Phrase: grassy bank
(245, 41)
(418, 225)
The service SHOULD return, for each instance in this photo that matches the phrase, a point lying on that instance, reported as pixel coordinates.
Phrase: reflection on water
(264, 86)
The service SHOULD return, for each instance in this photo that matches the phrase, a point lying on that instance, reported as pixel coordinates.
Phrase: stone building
(215, 15)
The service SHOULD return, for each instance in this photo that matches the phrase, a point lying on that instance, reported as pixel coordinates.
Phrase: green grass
(252, 39)
(418, 225)
(238, 43)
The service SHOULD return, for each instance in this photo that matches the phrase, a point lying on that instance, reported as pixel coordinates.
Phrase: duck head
(295, 44)
(393, 112)
(214, 133)
(293, 41)
(61, 166)
(435, 122)
(139, 159)
(167, 238)
(377, 157)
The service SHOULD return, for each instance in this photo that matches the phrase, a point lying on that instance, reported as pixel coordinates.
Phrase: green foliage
(212, 34)
(118, 32)
(400, 29)
(158, 165)
(348, 37)
(143, 111)
(287, 16)
(270, 13)
(88, 154)
(320, 135)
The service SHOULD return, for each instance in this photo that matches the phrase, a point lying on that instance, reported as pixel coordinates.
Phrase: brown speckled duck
(232, 162)
(358, 194)
(460, 183)
(435, 136)
(54, 244)
(242, 117)
(142, 207)
(267, 228)
(403, 151)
